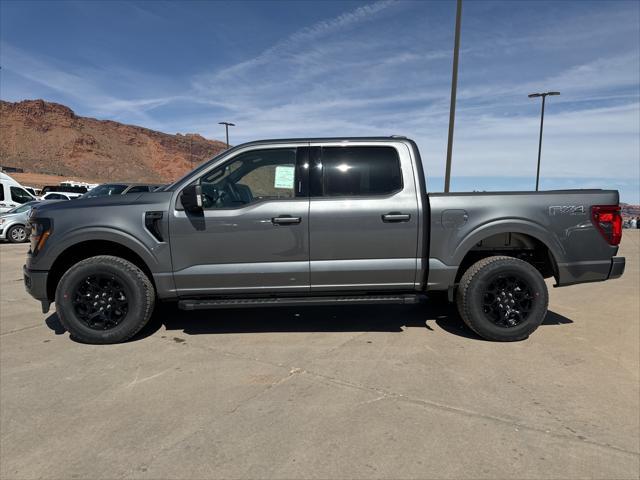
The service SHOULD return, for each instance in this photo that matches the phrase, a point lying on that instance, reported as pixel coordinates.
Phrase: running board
(206, 304)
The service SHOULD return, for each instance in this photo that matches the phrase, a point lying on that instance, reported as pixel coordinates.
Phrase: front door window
(20, 195)
(251, 177)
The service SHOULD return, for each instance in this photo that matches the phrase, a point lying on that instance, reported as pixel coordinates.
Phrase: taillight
(608, 221)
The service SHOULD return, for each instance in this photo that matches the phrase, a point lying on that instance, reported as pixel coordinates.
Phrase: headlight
(2, 220)
(40, 231)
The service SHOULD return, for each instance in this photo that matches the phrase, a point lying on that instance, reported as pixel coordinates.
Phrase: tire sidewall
(65, 294)
(475, 296)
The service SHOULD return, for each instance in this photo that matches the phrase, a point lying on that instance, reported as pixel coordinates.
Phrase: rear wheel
(17, 234)
(104, 299)
(502, 298)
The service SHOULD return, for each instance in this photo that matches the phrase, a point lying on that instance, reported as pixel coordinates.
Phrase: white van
(12, 193)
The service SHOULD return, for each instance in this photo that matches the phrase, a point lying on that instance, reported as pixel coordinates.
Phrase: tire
(17, 234)
(104, 300)
(502, 299)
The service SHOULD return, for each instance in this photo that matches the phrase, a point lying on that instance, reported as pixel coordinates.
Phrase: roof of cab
(323, 139)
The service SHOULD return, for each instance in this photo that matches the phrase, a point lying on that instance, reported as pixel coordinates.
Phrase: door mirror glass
(191, 198)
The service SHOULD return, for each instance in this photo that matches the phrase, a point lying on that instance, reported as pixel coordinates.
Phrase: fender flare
(510, 225)
(107, 234)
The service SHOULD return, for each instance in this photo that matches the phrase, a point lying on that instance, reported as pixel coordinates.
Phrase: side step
(205, 304)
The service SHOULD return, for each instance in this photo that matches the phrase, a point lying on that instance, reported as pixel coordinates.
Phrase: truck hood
(66, 207)
(83, 203)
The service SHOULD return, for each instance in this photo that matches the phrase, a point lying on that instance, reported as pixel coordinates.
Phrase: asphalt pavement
(384, 392)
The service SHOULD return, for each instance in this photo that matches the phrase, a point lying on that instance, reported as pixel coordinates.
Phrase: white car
(60, 196)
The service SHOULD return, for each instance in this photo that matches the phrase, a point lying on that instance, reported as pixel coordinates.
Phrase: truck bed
(559, 219)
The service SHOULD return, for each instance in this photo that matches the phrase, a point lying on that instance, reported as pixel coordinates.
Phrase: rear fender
(514, 225)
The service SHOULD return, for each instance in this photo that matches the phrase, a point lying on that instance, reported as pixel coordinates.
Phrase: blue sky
(332, 68)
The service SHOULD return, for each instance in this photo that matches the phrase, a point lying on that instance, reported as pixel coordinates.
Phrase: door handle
(393, 217)
(285, 220)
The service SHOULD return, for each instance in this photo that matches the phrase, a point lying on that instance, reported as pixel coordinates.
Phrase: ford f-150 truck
(316, 222)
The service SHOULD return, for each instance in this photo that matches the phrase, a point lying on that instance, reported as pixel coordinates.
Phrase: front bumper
(617, 267)
(35, 282)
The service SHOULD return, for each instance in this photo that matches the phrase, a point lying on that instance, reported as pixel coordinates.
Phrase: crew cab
(332, 221)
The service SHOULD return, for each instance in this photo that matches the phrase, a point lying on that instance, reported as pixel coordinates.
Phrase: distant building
(5, 168)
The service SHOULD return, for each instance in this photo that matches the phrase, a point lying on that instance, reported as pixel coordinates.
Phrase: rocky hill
(49, 138)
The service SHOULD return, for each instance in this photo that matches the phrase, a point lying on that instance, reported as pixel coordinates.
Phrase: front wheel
(17, 234)
(104, 299)
(502, 298)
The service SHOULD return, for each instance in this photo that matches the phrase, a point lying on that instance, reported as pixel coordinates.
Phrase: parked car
(317, 222)
(12, 193)
(60, 196)
(14, 223)
(72, 191)
(33, 191)
(107, 189)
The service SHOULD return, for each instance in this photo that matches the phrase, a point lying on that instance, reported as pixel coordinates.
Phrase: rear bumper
(591, 271)
(617, 267)
(35, 283)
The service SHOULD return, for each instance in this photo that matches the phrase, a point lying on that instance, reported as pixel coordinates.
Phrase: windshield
(197, 169)
(104, 190)
(22, 208)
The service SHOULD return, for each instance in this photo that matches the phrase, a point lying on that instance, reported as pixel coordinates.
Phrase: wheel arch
(81, 250)
(518, 238)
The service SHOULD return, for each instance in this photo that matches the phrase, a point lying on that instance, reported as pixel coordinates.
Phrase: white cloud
(360, 73)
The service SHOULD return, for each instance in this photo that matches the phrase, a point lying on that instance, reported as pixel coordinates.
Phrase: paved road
(392, 392)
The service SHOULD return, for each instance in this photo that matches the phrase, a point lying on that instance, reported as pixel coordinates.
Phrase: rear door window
(358, 171)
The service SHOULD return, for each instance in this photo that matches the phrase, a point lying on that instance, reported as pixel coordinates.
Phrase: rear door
(363, 217)
(253, 233)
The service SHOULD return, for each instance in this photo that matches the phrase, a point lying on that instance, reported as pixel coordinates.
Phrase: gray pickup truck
(331, 221)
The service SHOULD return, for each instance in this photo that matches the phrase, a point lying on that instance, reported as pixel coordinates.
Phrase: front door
(363, 218)
(253, 233)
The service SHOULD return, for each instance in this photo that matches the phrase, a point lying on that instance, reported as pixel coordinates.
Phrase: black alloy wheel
(502, 298)
(104, 299)
(100, 301)
(507, 300)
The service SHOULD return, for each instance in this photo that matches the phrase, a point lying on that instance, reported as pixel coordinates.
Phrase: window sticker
(285, 176)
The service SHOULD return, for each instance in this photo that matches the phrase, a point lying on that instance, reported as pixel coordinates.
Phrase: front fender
(154, 256)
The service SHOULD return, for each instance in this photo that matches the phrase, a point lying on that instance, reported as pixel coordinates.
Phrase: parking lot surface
(393, 392)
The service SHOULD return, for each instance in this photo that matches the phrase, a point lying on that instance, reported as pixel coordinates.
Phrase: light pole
(454, 87)
(226, 129)
(544, 98)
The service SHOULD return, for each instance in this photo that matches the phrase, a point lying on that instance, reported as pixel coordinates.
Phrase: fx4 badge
(566, 210)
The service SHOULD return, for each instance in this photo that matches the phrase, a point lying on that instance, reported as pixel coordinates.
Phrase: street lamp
(544, 97)
(454, 87)
(226, 129)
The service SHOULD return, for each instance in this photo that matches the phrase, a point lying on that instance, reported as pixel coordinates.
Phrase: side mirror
(191, 198)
